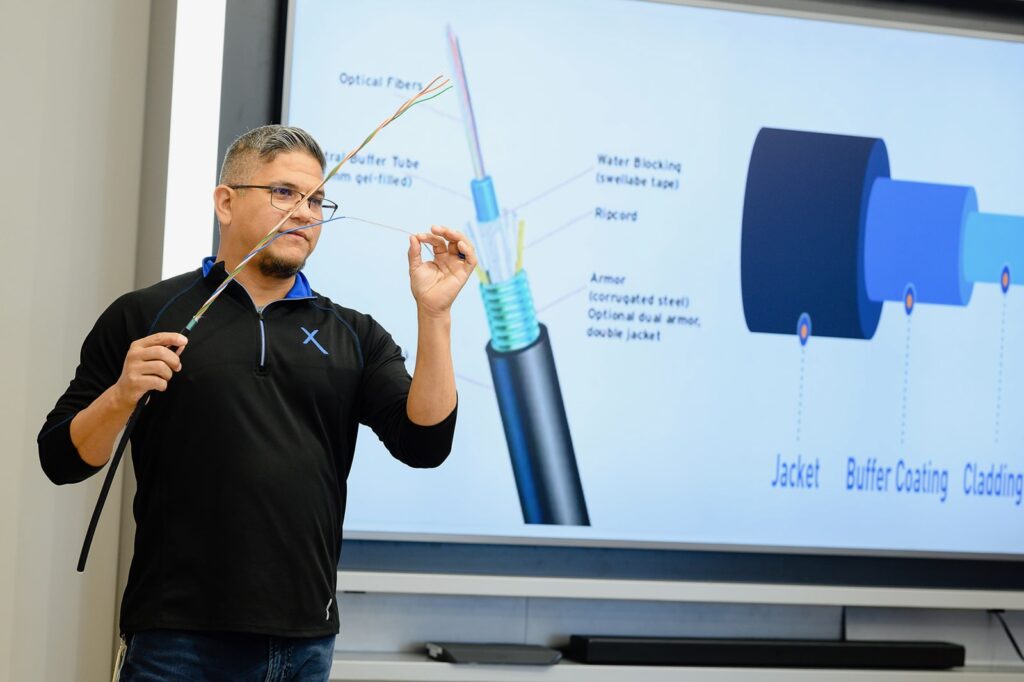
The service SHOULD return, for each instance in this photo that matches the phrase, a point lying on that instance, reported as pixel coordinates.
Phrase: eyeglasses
(285, 199)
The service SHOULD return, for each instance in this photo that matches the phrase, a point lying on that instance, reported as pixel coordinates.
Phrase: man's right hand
(148, 366)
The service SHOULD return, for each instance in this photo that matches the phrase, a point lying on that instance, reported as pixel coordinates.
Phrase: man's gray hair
(263, 144)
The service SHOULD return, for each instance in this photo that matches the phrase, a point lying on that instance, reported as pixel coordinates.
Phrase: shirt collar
(300, 289)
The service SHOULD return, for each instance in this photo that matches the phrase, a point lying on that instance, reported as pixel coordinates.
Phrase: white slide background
(677, 439)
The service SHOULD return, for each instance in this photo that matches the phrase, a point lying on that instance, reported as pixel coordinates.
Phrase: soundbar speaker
(768, 653)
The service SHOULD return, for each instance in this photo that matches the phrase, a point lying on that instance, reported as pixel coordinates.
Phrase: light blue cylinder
(511, 315)
(914, 235)
(484, 199)
(992, 242)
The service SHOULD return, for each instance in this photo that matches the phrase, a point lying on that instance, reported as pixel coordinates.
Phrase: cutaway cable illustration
(519, 352)
(436, 87)
(829, 237)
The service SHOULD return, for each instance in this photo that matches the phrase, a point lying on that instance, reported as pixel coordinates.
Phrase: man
(242, 453)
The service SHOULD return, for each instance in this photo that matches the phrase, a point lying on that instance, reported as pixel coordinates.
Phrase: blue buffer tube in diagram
(519, 353)
(914, 236)
(829, 235)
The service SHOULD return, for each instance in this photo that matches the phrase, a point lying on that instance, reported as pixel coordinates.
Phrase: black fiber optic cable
(130, 426)
(112, 469)
(432, 87)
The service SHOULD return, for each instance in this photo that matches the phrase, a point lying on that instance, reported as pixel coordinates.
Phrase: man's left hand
(436, 283)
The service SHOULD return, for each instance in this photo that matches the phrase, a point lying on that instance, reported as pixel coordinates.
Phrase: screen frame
(260, 95)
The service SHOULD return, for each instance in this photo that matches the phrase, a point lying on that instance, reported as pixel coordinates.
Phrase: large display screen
(746, 279)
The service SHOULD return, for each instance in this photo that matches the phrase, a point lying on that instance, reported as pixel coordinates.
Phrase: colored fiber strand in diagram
(1004, 282)
(519, 353)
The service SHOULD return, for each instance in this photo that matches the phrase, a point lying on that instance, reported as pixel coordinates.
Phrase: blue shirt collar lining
(300, 289)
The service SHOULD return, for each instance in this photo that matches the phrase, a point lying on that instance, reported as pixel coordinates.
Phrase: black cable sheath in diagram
(537, 432)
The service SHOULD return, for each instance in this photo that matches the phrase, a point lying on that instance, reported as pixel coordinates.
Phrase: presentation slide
(745, 279)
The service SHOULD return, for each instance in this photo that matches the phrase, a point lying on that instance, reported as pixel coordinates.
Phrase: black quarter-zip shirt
(242, 462)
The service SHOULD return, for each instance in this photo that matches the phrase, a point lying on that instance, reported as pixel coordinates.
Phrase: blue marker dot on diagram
(909, 298)
(1004, 280)
(803, 328)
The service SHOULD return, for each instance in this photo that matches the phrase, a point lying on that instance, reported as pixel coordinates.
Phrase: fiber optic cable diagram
(828, 237)
(519, 352)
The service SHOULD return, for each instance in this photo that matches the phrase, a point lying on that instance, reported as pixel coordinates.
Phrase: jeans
(172, 655)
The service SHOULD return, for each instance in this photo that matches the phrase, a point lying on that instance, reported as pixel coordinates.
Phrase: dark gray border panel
(252, 71)
(954, 16)
(696, 565)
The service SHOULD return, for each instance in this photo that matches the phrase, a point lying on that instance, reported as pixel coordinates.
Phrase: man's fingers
(415, 252)
(153, 383)
(435, 242)
(152, 378)
(156, 368)
(162, 339)
(450, 241)
(456, 242)
(428, 238)
(448, 233)
(158, 347)
(467, 250)
(161, 354)
(150, 364)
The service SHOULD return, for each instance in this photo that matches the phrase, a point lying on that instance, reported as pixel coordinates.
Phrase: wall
(72, 122)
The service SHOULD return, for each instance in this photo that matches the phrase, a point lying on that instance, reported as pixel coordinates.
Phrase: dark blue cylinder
(802, 248)
(537, 433)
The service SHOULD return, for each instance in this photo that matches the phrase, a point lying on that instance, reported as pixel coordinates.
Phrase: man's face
(250, 215)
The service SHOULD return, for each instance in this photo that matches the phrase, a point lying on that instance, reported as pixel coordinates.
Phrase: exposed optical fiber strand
(472, 138)
(434, 88)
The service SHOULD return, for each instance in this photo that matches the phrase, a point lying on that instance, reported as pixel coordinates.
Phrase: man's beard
(272, 266)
